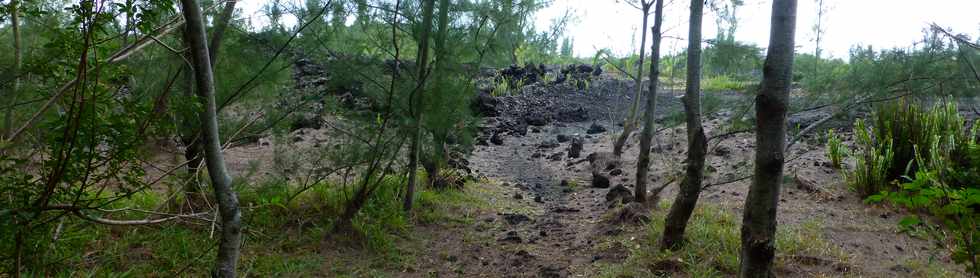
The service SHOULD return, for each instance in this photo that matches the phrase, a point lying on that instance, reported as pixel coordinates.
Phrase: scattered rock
(596, 129)
(549, 272)
(723, 151)
(600, 180)
(496, 139)
(548, 145)
(632, 213)
(515, 218)
(562, 138)
(573, 115)
(536, 120)
(619, 193)
(616, 172)
(511, 236)
(555, 156)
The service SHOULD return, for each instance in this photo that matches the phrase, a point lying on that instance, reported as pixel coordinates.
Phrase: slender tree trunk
(219, 30)
(646, 138)
(423, 61)
(630, 123)
(193, 150)
(687, 198)
(229, 248)
(759, 218)
(8, 122)
(439, 153)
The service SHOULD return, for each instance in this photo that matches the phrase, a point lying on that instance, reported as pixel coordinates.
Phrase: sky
(613, 24)
(880, 23)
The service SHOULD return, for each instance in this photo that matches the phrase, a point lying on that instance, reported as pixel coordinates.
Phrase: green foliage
(934, 66)
(945, 159)
(724, 83)
(836, 151)
(727, 57)
(898, 142)
(715, 252)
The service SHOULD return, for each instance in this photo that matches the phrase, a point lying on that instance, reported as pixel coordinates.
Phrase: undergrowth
(925, 160)
(713, 250)
(280, 237)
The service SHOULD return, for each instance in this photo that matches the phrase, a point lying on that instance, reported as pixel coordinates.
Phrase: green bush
(888, 149)
(944, 157)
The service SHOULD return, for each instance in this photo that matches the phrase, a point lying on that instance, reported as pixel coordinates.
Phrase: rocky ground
(564, 212)
(555, 193)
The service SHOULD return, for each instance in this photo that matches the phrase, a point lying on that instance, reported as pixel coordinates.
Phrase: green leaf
(909, 221)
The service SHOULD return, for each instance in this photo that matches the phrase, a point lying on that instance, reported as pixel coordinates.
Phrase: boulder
(596, 129)
(619, 193)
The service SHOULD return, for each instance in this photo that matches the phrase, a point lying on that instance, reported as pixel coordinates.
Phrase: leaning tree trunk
(192, 151)
(646, 138)
(8, 122)
(759, 217)
(228, 250)
(423, 61)
(630, 123)
(687, 198)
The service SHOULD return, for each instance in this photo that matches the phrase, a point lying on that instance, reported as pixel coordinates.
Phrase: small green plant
(836, 151)
(871, 162)
(955, 208)
(723, 83)
(501, 88)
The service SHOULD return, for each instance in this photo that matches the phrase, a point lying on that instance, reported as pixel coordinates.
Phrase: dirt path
(555, 236)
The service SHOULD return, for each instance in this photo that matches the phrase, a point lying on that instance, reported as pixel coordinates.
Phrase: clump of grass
(723, 83)
(713, 247)
(836, 151)
(872, 163)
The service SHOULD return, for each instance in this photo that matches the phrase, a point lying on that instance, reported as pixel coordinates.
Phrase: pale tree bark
(646, 138)
(8, 122)
(230, 245)
(687, 198)
(630, 123)
(759, 216)
(192, 143)
(423, 61)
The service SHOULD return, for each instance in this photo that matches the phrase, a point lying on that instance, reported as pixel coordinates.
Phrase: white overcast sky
(613, 24)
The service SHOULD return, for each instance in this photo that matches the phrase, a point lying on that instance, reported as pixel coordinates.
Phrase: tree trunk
(630, 123)
(759, 217)
(219, 30)
(192, 151)
(687, 198)
(423, 61)
(646, 138)
(228, 250)
(8, 122)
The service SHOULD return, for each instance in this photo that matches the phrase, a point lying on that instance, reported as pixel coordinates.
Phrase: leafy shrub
(889, 148)
(945, 159)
